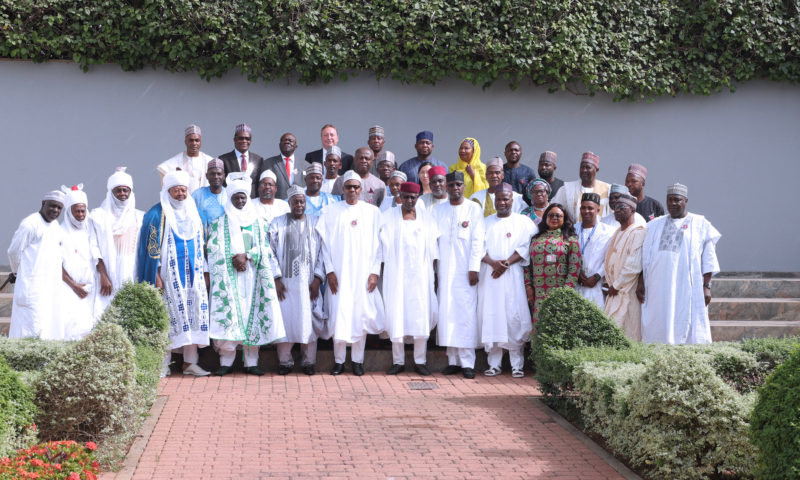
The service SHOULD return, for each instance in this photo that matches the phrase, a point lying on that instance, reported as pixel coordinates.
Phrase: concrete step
(754, 309)
(6, 299)
(9, 288)
(735, 330)
(5, 324)
(743, 287)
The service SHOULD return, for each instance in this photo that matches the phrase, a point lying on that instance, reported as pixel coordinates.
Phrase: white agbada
(594, 244)
(503, 311)
(430, 201)
(609, 220)
(269, 212)
(517, 207)
(390, 203)
(349, 235)
(35, 257)
(460, 251)
(195, 167)
(116, 227)
(298, 264)
(408, 248)
(570, 195)
(675, 254)
(81, 254)
(623, 266)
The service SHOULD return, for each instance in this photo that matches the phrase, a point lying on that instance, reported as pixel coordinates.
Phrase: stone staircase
(6, 298)
(754, 305)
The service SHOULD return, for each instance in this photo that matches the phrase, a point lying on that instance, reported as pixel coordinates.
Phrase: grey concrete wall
(738, 153)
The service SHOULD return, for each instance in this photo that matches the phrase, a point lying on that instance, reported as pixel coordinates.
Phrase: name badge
(550, 258)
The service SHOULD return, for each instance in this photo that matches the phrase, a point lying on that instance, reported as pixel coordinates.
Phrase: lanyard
(584, 244)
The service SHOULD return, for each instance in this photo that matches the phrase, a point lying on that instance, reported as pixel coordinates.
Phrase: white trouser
(420, 352)
(515, 355)
(462, 357)
(309, 351)
(356, 350)
(227, 353)
(190, 354)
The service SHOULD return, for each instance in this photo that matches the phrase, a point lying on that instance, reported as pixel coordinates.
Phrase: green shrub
(17, 412)
(738, 368)
(776, 422)
(685, 422)
(30, 354)
(567, 321)
(139, 308)
(89, 393)
(771, 351)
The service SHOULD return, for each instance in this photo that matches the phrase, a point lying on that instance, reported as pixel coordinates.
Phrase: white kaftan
(35, 257)
(623, 266)
(80, 251)
(194, 166)
(610, 220)
(269, 212)
(349, 235)
(593, 243)
(460, 251)
(570, 195)
(516, 207)
(675, 254)
(408, 248)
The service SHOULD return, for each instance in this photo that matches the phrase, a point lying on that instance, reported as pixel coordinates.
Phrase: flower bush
(67, 460)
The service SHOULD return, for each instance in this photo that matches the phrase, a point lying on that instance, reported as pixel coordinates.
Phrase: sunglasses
(352, 187)
(243, 138)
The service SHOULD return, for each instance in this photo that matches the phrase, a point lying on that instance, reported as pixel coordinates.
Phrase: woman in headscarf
(469, 162)
(538, 192)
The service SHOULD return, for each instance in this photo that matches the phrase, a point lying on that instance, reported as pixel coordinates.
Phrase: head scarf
(122, 214)
(181, 216)
(476, 152)
(74, 196)
(239, 182)
(536, 181)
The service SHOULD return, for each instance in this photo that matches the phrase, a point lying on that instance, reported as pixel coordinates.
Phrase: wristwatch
(707, 285)
(596, 276)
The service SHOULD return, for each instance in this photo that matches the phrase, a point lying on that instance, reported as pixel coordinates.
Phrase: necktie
(244, 162)
(288, 171)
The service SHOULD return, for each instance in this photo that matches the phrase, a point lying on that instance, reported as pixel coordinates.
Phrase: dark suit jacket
(316, 156)
(231, 163)
(279, 169)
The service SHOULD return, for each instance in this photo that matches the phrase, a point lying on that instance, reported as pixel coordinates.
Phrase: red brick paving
(375, 426)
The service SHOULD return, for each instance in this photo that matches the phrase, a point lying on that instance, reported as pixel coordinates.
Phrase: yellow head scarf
(479, 182)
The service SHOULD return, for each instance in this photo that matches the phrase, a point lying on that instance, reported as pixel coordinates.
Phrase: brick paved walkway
(375, 426)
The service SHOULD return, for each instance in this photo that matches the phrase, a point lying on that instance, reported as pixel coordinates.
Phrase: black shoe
(358, 369)
(284, 369)
(254, 371)
(337, 369)
(396, 368)
(469, 373)
(221, 371)
(422, 369)
(451, 369)
(308, 369)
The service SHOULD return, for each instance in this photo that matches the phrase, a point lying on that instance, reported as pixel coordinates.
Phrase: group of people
(250, 251)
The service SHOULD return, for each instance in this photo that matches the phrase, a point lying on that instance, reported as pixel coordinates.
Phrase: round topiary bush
(137, 307)
(776, 422)
(17, 412)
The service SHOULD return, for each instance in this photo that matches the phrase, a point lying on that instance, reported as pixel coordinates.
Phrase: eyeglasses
(352, 187)
(555, 216)
(540, 192)
(243, 138)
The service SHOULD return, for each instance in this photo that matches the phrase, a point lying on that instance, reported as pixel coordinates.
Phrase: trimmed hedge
(30, 354)
(630, 49)
(17, 412)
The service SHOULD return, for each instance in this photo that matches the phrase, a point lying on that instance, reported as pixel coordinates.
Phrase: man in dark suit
(287, 169)
(241, 159)
(330, 137)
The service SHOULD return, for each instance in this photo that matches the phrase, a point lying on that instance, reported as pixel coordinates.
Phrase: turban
(386, 157)
(119, 179)
(192, 130)
(268, 174)
(409, 187)
(335, 151)
(495, 161)
(590, 157)
(242, 127)
(215, 163)
(376, 131)
(617, 188)
(548, 156)
(74, 195)
(399, 174)
(55, 195)
(295, 190)
(351, 175)
(425, 135)
(175, 178)
(504, 187)
(627, 200)
(638, 170)
(314, 167)
(237, 185)
(456, 176)
(590, 197)
(437, 171)
(678, 189)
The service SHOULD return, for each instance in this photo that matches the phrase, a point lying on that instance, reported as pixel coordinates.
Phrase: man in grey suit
(241, 159)
(288, 170)
(330, 137)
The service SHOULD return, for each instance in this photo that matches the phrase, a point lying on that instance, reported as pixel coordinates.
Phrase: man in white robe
(192, 161)
(116, 226)
(495, 176)
(244, 306)
(461, 231)
(350, 250)
(593, 238)
(570, 194)
(678, 259)
(613, 196)
(266, 205)
(503, 312)
(409, 249)
(438, 186)
(81, 258)
(298, 276)
(35, 258)
(624, 268)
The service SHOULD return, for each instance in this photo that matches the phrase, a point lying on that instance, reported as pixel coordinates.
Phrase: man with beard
(267, 206)
(372, 188)
(614, 193)
(571, 193)
(211, 200)
(316, 199)
(593, 237)
(647, 207)
(438, 193)
(547, 170)
(515, 173)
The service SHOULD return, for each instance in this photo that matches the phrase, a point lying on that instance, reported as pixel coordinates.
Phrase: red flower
(91, 446)
(36, 462)
(74, 476)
